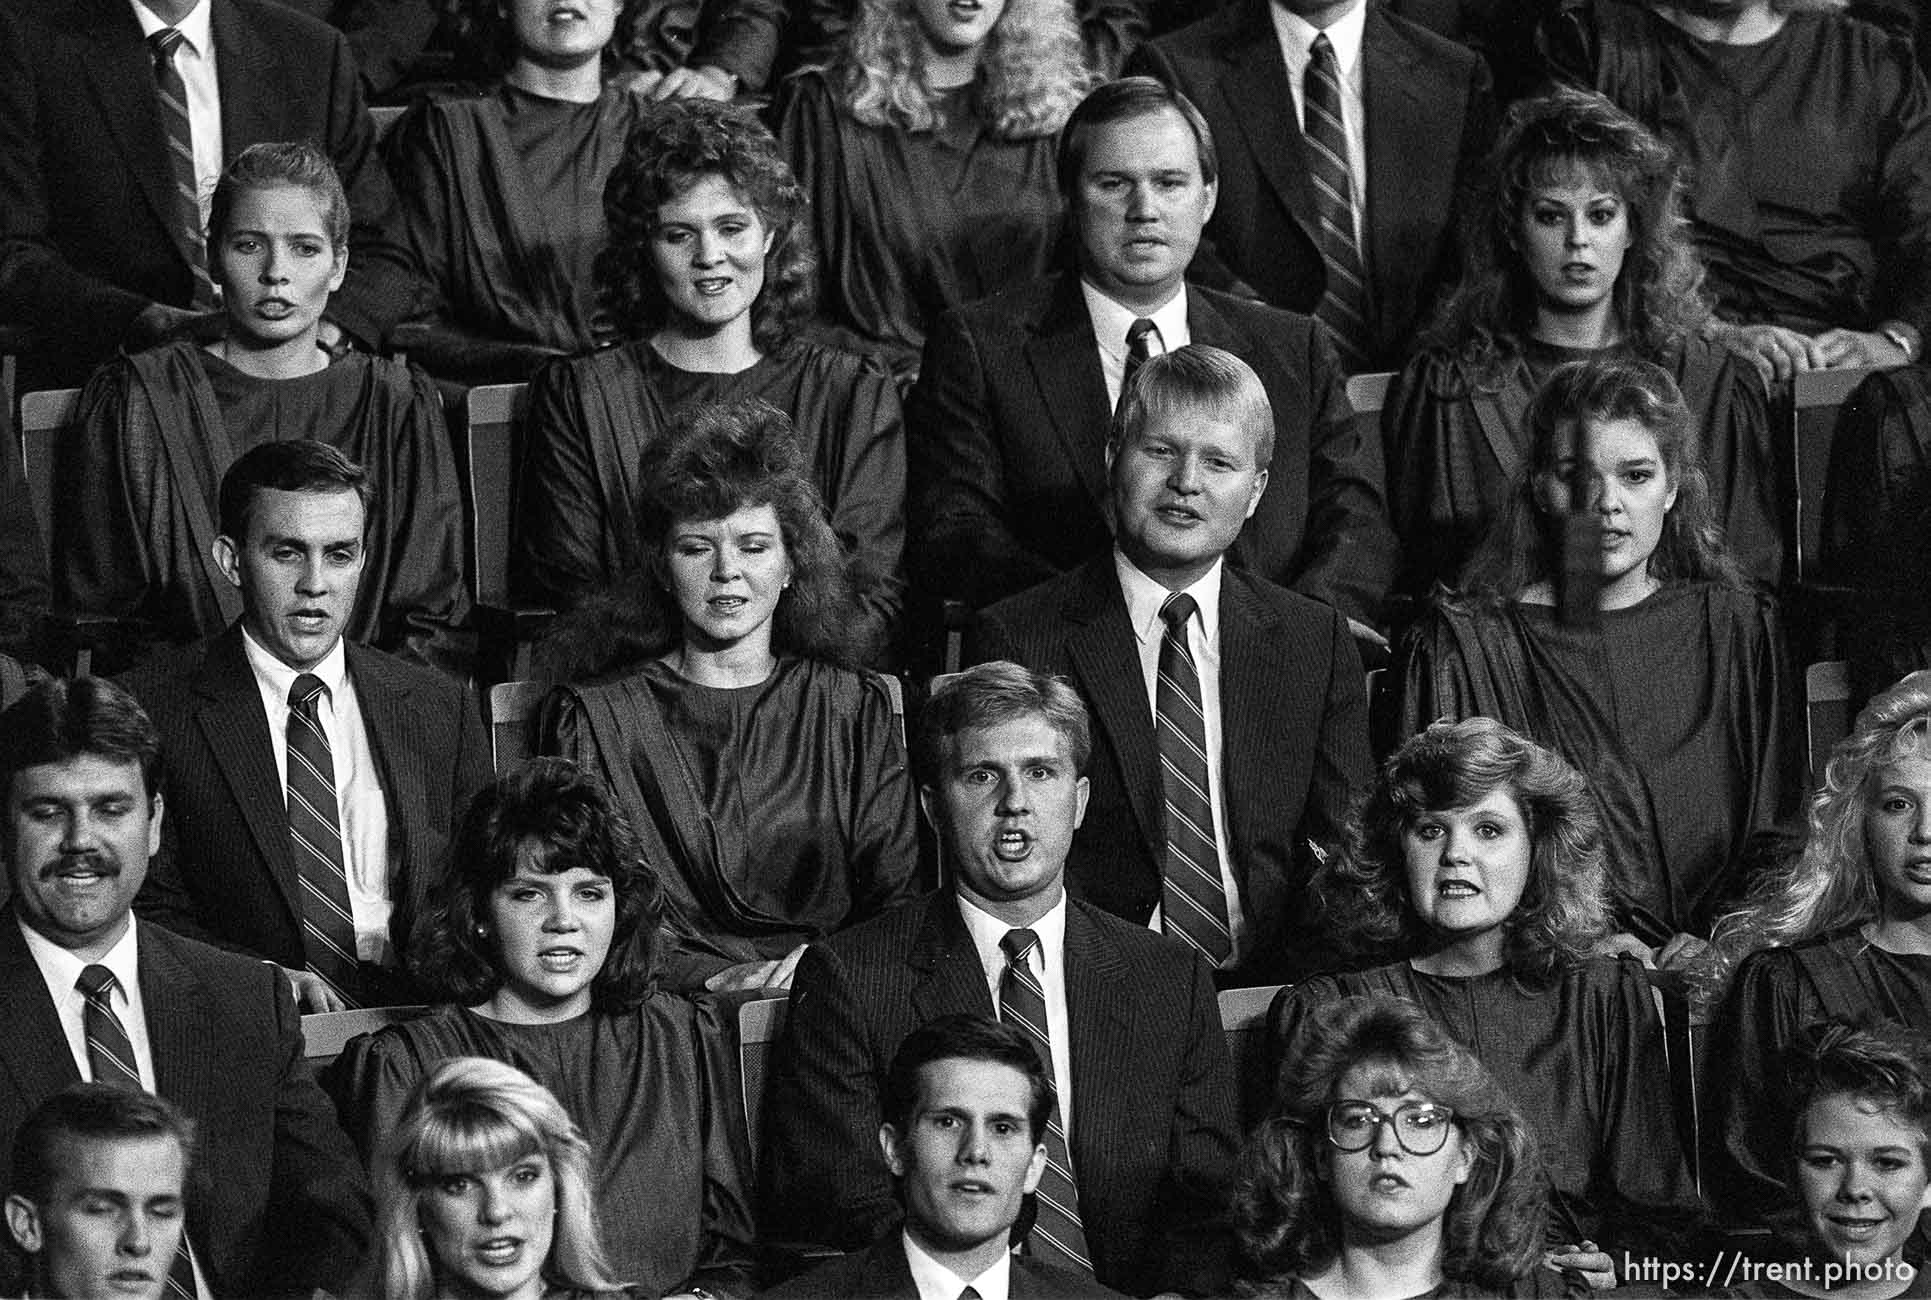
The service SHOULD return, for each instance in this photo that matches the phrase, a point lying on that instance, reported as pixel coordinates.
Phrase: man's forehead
(1028, 736)
(139, 1165)
(83, 776)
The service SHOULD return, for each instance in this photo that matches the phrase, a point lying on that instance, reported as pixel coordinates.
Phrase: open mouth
(499, 1252)
(560, 961)
(964, 11)
(1178, 515)
(1013, 846)
(274, 308)
(1456, 889)
(309, 620)
(712, 286)
(726, 604)
(970, 1187)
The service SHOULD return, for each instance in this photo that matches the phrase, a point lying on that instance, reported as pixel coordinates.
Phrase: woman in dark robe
(1806, 133)
(1842, 930)
(155, 431)
(1578, 251)
(1663, 675)
(766, 774)
(708, 271)
(540, 950)
(1478, 856)
(927, 149)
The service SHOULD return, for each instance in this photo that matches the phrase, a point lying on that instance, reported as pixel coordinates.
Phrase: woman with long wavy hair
(1576, 249)
(1604, 616)
(927, 147)
(717, 694)
(1841, 930)
(708, 274)
(1477, 858)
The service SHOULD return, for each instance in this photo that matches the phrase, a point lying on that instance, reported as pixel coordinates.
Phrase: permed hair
(1524, 546)
(1564, 138)
(1285, 1215)
(288, 465)
(1121, 100)
(90, 1112)
(1887, 1065)
(965, 1038)
(556, 817)
(1831, 885)
(1032, 74)
(989, 694)
(60, 719)
(295, 164)
(473, 1115)
(1196, 382)
(673, 146)
(1564, 912)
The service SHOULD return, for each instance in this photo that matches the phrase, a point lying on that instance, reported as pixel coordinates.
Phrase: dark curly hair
(1524, 545)
(1285, 1215)
(1559, 139)
(1564, 912)
(713, 461)
(562, 818)
(673, 146)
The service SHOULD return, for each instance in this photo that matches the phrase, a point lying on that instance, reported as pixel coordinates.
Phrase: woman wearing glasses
(1477, 856)
(1392, 1166)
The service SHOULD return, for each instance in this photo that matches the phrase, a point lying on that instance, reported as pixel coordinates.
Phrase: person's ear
(23, 1221)
(1212, 199)
(1036, 1167)
(1464, 1158)
(1260, 489)
(341, 271)
(1082, 790)
(154, 823)
(228, 559)
(894, 1157)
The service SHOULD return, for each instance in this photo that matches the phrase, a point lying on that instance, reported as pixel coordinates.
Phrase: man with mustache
(311, 781)
(87, 992)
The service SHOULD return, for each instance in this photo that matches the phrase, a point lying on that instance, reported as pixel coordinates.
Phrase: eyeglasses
(1421, 1127)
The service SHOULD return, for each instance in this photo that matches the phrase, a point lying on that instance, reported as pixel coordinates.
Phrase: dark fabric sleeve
(1421, 424)
(165, 898)
(868, 513)
(1342, 764)
(557, 548)
(102, 564)
(741, 37)
(1191, 1205)
(1749, 1120)
(1743, 465)
(885, 841)
(1347, 550)
(1776, 726)
(1567, 42)
(475, 765)
(425, 614)
(1642, 1179)
(1904, 188)
(1432, 677)
(1287, 1019)
(386, 36)
(381, 287)
(824, 1179)
(372, 1080)
(23, 553)
(725, 1262)
(1111, 30)
(961, 543)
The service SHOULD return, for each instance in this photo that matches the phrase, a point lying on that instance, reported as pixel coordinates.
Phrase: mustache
(68, 861)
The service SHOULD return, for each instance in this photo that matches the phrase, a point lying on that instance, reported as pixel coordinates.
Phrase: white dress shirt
(194, 59)
(1048, 963)
(1344, 34)
(359, 801)
(937, 1282)
(61, 969)
(1111, 322)
(1144, 597)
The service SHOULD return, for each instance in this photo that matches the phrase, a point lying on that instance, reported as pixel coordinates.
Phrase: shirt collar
(278, 678)
(1144, 597)
(933, 1278)
(1344, 33)
(1111, 320)
(197, 28)
(62, 967)
(987, 930)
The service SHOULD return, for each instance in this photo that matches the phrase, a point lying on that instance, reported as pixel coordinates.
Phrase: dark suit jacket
(277, 1204)
(1294, 746)
(880, 1272)
(1006, 449)
(225, 873)
(1430, 119)
(86, 194)
(1154, 1132)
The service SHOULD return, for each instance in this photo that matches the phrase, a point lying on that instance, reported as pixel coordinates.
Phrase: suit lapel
(1066, 368)
(885, 1273)
(249, 66)
(950, 979)
(1398, 116)
(170, 989)
(37, 1061)
(115, 61)
(1250, 670)
(402, 767)
(235, 727)
(1100, 1025)
(1257, 90)
(1106, 662)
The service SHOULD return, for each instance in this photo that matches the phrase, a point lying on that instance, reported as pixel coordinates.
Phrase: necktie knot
(1175, 612)
(1139, 337)
(163, 44)
(1017, 944)
(302, 694)
(1322, 51)
(96, 981)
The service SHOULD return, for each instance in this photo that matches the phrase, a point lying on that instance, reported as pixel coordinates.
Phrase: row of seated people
(1476, 859)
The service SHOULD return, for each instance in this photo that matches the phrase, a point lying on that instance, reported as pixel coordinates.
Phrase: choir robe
(1677, 709)
(907, 224)
(1447, 482)
(591, 418)
(154, 433)
(502, 200)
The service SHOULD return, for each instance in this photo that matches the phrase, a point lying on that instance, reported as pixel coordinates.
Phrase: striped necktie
(1344, 307)
(110, 1059)
(1057, 1232)
(1193, 903)
(174, 117)
(315, 835)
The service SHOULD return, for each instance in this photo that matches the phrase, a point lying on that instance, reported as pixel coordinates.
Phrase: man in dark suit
(1278, 698)
(278, 1204)
(1143, 1133)
(405, 747)
(967, 1106)
(1418, 116)
(95, 244)
(1006, 431)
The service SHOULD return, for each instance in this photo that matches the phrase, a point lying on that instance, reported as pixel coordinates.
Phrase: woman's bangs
(469, 1140)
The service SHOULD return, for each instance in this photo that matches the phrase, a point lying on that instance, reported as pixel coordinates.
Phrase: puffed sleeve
(1750, 1119)
(1287, 1020)
(726, 1256)
(1432, 449)
(557, 548)
(1432, 674)
(102, 563)
(884, 839)
(866, 492)
(809, 130)
(425, 613)
(371, 1081)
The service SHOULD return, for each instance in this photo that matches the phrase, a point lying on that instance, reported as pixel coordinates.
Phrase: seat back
(385, 117)
(512, 711)
(491, 422)
(1243, 1019)
(760, 1021)
(326, 1033)
(1367, 394)
(1816, 398)
(1827, 712)
(42, 417)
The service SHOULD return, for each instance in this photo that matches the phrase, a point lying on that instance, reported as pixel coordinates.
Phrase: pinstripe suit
(1153, 1092)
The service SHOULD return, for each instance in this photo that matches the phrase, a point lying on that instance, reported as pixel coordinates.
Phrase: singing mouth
(1013, 846)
